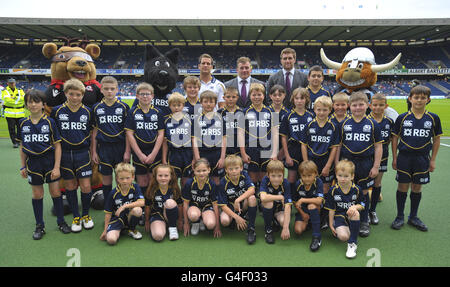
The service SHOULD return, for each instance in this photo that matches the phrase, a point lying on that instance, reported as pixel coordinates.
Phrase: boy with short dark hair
(361, 143)
(233, 117)
(415, 134)
(109, 145)
(40, 156)
(191, 86)
(74, 121)
(315, 88)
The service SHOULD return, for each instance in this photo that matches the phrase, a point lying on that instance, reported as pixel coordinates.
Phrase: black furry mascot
(161, 71)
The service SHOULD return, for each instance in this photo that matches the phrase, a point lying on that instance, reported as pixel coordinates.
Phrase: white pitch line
(447, 145)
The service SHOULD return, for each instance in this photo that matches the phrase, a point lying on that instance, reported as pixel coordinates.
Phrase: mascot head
(72, 62)
(358, 69)
(160, 70)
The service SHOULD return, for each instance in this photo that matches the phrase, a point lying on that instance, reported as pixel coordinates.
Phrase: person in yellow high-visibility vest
(14, 109)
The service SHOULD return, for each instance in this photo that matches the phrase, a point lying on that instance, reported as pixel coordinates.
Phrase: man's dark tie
(288, 84)
(244, 91)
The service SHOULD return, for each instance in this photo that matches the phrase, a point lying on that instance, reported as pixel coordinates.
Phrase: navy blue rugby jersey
(320, 140)
(228, 191)
(190, 109)
(294, 124)
(313, 96)
(110, 121)
(315, 190)
(208, 132)
(202, 196)
(284, 189)
(335, 121)
(340, 202)
(178, 132)
(281, 114)
(386, 127)
(415, 135)
(358, 138)
(145, 125)
(258, 125)
(37, 138)
(231, 122)
(162, 104)
(157, 202)
(118, 197)
(74, 126)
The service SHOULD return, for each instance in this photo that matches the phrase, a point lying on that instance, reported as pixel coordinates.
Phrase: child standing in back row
(416, 133)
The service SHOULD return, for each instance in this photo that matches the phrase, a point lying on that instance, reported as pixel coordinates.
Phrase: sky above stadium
(226, 9)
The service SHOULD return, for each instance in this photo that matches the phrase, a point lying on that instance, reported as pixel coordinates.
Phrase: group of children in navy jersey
(200, 168)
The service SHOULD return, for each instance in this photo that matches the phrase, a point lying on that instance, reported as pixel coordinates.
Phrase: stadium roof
(228, 32)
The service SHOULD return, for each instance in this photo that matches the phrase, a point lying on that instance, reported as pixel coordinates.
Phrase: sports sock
(172, 216)
(354, 231)
(38, 209)
(106, 190)
(268, 218)
(315, 222)
(375, 196)
(415, 200)
(365, 212)
(72, 198)
(59, 209)
(133, 222)
(86, 202)
(401, 199)
(251, 216)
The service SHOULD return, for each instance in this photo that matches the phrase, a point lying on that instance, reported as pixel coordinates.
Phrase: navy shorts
(383, 165)
(340, 220)
(259, 158)
(233, 150)
(363, 165)
(110, 154)
(142, 168)
(202, 207)
(76, 164)
(321, 162)
(413, 168)
(157, 216)
(181, 161)
(295, 152)
(40, 167)
(119, 223)
(213, 156)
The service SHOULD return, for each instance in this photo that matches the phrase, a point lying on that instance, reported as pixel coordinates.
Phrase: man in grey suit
(242, 81)
(289, 77)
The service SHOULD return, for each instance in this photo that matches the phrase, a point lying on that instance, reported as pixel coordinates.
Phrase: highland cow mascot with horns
(358, 72)
(73, 61)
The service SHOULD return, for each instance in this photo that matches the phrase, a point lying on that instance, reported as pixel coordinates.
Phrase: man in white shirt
(208, 81)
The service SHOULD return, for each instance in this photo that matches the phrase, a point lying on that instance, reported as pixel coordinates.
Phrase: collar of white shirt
(291, 71)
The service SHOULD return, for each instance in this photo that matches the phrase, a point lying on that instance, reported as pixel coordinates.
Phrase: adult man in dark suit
(289, 77)
(242, 81)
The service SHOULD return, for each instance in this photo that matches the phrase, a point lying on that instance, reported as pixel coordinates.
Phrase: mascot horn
(358, 72)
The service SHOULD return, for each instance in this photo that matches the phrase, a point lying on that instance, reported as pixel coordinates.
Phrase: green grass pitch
(407, 247)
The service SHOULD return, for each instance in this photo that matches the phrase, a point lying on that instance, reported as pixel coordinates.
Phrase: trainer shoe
(269, 237)
(351, 250)
(315, 244)
(76, 225)
(417, 223)
(135, 234)
(39, 232)
(398, 223)
(87, 221)
(251, 235)
(364, 229)
(195, 228)
(173, 233)
(64, 228)
(373, 218)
